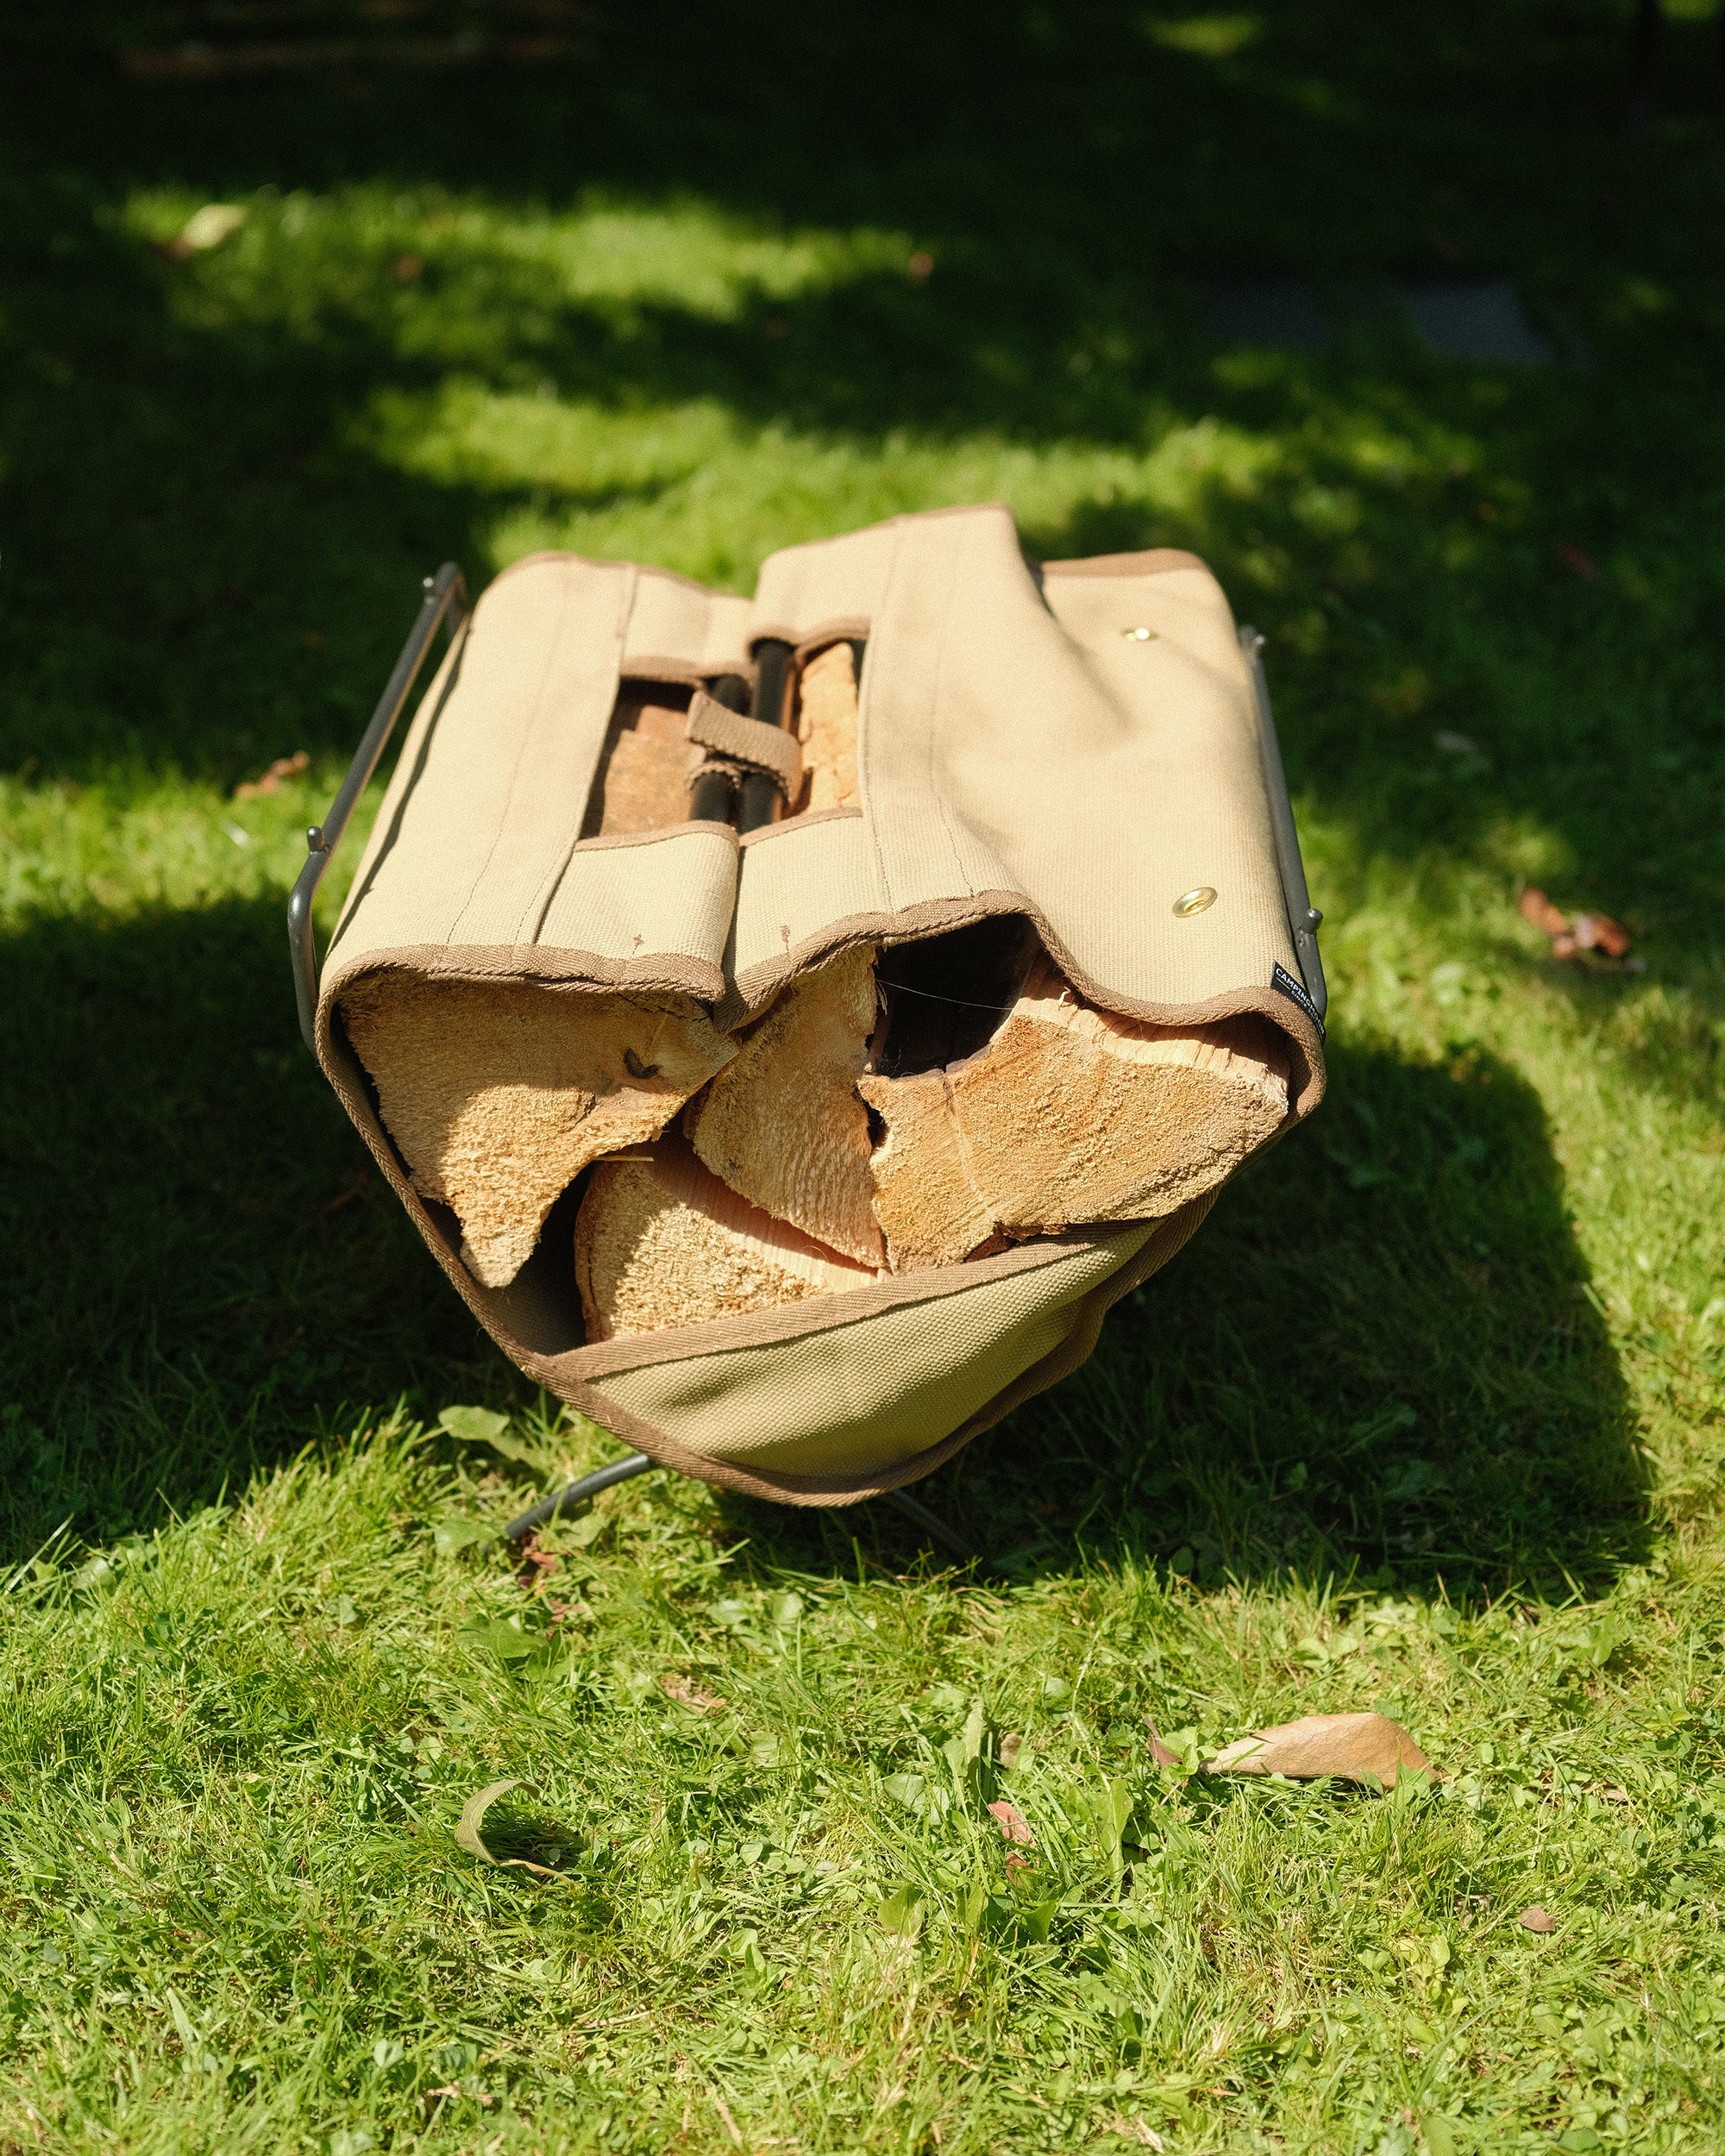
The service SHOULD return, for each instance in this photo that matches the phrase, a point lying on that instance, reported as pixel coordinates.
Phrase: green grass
(1428, 1417)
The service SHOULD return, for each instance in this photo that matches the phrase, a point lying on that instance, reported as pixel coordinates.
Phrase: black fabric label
(1281, 978)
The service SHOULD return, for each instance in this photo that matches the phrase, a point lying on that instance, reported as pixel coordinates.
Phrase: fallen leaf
(1617, 1796)
(1013, 1823)
(1353, 1747)
(1011, 1744)
(688, 1693)
(467, 1835)
(1579, 564)
(1534, 1919)
(206, 228)
(1599, 931)
(1538, 908)
(283, 768)
(407, 269)
(1159, 1753)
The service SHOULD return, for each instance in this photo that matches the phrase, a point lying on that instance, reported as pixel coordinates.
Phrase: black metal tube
(1303, 917)
(445, 593)
(931, 1524)
(560, 1501)
(757, 794)
(712, 792)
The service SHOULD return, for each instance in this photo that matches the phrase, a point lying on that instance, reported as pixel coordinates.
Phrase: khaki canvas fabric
(1075, 743)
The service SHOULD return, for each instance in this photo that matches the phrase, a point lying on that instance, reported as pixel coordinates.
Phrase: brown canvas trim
(756, 988)
(826, 1313)
(747, 741)
(1166, 1242)
(843, 629)
(548, 966)
(759, 838)
(685, 672)
(605, 561)
(1155, 562)
(615, 839)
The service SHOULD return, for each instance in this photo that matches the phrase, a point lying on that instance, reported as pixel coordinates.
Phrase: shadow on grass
(203, 1269)
(1378, 1360)
(1379, 1357)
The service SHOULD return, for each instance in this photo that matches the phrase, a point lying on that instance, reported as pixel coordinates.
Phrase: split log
(1070, 1116)
(659, 1242)
(826, 727)
(642, 783)
(783, 1124)
(499, 1093)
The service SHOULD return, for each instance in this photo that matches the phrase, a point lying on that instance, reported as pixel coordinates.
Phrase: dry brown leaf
(1353, 1747)
(688, 1693)
(1534, 1919)
(1159, 1753)
(1013, 1824)
(1011, 1744)
(1599, 931)
(283, 768)
(1538, 908)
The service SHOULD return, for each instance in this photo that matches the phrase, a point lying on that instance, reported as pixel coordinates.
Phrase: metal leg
(931, 1524)
(562, 1501)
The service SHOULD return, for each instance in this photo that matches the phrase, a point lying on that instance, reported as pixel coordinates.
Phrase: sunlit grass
(1428, 1419)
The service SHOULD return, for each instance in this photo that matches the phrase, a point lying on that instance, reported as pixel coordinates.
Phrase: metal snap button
(1190, 902)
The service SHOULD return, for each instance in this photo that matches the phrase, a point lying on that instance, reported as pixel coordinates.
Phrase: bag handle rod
(446, 595)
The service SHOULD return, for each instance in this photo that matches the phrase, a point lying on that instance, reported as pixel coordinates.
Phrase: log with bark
(826, 727)
(1070, 1116)
(783, 1125)
(499, 1093)
(644, 777)
(660, 1242)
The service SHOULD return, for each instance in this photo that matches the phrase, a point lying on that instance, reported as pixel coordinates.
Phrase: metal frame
(446, 599)
(626, 1470)
(1303, 916)
(446, 595)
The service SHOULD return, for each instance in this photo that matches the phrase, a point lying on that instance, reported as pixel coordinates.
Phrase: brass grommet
(1191, 902)
(1137, 636)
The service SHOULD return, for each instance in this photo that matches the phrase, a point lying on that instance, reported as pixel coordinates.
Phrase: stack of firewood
(892, 1110)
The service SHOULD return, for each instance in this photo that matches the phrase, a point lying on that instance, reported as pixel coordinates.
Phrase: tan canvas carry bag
(1082, 745)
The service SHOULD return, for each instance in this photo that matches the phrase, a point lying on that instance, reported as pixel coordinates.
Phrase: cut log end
(498, 1095)
(1070, 1116)
(662, 1242)
(783, 1124)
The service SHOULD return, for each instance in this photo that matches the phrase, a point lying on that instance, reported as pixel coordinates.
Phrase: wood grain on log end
(499, 1093)
(662, 1242)
(1070, 1116)
(783, 1124)
(826, 727)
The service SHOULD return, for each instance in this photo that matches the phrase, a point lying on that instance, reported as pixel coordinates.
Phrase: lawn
(1428, 1417)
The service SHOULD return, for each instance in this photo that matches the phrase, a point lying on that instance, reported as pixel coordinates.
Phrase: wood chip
(826, 727)
(1368, 1748)
(783, 1125)
(1071, 1115)
(499, 1093)
(662, 1242)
